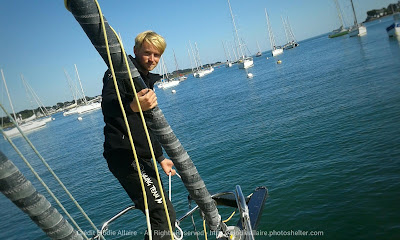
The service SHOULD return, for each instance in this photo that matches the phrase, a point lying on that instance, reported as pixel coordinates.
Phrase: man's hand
(147, 99)
(166, 165)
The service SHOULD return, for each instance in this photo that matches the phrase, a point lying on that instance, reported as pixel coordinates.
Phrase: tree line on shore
(378, 13)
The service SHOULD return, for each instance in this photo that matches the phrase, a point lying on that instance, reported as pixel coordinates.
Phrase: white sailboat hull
(26, 127)
(359, 31)
(246, 63)
(88, 108)
(169, 84)
(83, 109)
(277, 52)
(47, 119)
(394, 29)
(71, 111)
(182, 78)
(203, 72)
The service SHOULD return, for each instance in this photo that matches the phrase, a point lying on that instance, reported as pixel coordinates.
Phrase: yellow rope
(205, 229)
(146, 207)
(128, 128)
(147, 135)
(229, 218)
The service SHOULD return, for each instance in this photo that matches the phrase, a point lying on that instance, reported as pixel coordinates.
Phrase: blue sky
(40, 39)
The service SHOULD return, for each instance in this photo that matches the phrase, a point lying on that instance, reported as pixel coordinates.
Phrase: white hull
(46, 120)
(228, 64)
(71, 111)
(277, 52)
(83, 109)
(394, 29)
(26, 127)
(182, 78)
(355, 31)
(88, 108)
(203, 72)
(169, 84)
(290, 45)
(245, 63)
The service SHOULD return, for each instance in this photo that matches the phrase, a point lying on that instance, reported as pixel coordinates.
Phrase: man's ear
(134, 50)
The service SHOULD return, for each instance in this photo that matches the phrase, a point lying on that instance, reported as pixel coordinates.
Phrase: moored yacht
(358, 29)
(394, 29)
(245, 62)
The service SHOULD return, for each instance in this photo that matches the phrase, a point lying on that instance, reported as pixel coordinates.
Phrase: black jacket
(115, 131)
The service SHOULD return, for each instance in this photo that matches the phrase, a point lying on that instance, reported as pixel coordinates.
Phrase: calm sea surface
(321, 131)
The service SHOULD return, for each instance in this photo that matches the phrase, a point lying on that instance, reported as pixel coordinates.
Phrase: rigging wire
(39, 178)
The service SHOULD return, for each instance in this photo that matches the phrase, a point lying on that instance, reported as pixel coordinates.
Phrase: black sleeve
(112, 110)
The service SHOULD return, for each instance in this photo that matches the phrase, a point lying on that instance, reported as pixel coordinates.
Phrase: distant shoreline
(373, 19)
(375, 14)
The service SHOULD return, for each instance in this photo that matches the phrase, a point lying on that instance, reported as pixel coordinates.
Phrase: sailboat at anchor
(244, 62)
(276, 50)
(358, 29)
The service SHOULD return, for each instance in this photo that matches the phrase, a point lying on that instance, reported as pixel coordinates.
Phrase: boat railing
(234, 199)
(105, 225)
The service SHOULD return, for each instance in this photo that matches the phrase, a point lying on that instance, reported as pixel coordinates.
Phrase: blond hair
(151, 37)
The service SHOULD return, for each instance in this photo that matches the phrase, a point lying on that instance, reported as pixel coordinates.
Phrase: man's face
(148, 56)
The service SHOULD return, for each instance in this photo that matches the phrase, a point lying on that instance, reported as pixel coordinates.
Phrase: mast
(236, 32)
(229, 54)
(285, 27)
(38, 99)
(225, 51)
(190, 58)
(35, 97)
(354, 12)
(154, 118)
(291, 34)
(271, 36)
(234, 52)
(339, 12)
(8, 94)
(194, 57)
(198, 55)
(71, 86)
(176, 62)
(80, 83)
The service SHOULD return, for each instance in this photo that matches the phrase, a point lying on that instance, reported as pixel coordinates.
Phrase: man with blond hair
(149, 46)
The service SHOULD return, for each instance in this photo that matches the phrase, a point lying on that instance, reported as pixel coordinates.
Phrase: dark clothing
(129, 179)
(118, 151)
(115, 132)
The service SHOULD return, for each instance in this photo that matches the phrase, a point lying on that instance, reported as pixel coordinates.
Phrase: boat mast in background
(341, 30)
(357, 29)
(291, 40)
(274, 49)
(228, 59)
(243, 61)
(258, 54)
(8, 94)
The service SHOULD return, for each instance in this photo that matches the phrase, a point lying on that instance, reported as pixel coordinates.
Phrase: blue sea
(321, 131)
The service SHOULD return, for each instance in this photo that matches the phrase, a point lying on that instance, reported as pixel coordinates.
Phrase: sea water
(321, 131)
